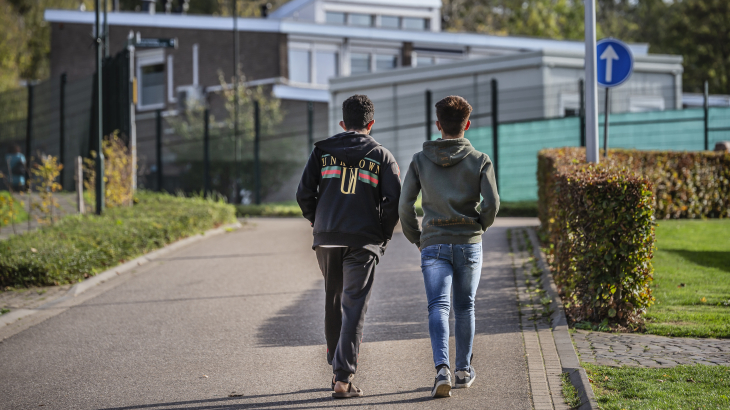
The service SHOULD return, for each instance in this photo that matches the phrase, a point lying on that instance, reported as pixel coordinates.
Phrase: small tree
(278, 155)
(45, 175)
(117, 172)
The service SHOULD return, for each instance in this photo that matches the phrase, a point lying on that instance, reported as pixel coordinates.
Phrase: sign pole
(591, 98)
(605, 123)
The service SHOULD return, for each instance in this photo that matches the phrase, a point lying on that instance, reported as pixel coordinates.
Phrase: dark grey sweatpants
(348, 279)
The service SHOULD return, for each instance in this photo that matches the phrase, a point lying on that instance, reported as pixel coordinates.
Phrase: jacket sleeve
(490, 202)
(406, 208)
(308, 191)
(390, 190)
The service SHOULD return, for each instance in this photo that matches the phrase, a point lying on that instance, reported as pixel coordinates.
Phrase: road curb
(102, 277)
(563, 342)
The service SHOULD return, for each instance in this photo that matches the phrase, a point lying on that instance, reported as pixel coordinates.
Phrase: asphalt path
(236, 322)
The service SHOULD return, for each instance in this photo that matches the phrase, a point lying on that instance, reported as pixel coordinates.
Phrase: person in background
(349, 193)
(451, 175)
(17, 169)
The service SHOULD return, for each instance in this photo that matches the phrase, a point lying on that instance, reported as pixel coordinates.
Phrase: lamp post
(591, 98)
(99, 118)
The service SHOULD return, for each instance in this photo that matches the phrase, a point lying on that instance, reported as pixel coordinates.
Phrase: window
(326, 66)
(170, 80)
(153, 85)
(390, 22)
(385, 62)
(364, 20)
(299, 66)
(151, 79)
(410, 23)
(424, 61)
(335, 18)
(359, 63)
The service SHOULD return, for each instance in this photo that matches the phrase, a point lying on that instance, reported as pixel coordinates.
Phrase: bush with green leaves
(80, 246)
(603, 243)
(685, 184)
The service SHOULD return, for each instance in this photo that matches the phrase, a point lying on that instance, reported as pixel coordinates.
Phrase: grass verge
(570, 394)
(80, 246)
(281, 209)
(691, 279)
(678, 388)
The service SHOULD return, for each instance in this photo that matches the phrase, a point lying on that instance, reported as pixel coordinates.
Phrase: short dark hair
(453, 113)
(357, 112)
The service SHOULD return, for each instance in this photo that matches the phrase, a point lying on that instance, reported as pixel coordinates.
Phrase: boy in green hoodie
(451, 176)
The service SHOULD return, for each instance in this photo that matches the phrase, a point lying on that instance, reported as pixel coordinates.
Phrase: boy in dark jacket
(349, 192)
(451, 175)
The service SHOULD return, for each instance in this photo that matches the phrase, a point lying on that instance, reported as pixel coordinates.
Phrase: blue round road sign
(615, 62)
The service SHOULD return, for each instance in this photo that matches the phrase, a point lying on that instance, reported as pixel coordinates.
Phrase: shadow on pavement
(398, 307)
(239, 402)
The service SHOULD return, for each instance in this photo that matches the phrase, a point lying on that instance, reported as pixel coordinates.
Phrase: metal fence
(52, 117)
(533, 118)
(511, 125)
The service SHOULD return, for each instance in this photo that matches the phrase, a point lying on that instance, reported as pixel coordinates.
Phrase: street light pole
(235, 102)
(99, 118)
(591, 98)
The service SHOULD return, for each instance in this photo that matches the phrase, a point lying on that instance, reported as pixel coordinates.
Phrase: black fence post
(310, 124)
(256, 147)
(29, 125)
(429, 120)
(582, 112)
(62, 126)
(206, 153)
(707, 115)
(158, 143)
(495, 129)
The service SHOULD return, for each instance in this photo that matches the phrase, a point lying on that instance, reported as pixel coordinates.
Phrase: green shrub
(602, 243)
(685, 184)
(80, 246)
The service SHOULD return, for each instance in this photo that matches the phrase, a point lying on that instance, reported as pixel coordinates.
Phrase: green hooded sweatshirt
(452, 175)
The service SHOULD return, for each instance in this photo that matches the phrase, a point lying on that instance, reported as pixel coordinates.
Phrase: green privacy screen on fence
(519, 143)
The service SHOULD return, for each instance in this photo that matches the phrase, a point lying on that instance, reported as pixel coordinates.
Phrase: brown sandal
(351, 392)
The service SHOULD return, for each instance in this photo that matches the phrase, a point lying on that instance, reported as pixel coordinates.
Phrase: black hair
(357, 112)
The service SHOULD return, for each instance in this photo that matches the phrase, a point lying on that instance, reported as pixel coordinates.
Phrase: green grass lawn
(679, 388)
(691, 279)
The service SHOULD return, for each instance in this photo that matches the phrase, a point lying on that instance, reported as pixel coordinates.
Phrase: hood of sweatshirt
(448, 152)
(349, 147)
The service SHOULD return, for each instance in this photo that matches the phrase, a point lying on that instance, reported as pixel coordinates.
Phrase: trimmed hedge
(685, 184)
(80, 246)
(602, 243)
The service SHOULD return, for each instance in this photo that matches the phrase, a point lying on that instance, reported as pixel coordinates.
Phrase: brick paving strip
(637, 350)
(548, 346)
(549, 350)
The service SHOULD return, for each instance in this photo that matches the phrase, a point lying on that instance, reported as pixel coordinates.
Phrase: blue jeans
(445, 266)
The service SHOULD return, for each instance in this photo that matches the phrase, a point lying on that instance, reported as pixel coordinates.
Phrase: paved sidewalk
(236, 321)
(636, 350)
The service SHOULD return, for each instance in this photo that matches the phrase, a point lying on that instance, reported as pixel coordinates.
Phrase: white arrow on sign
(609, 54)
